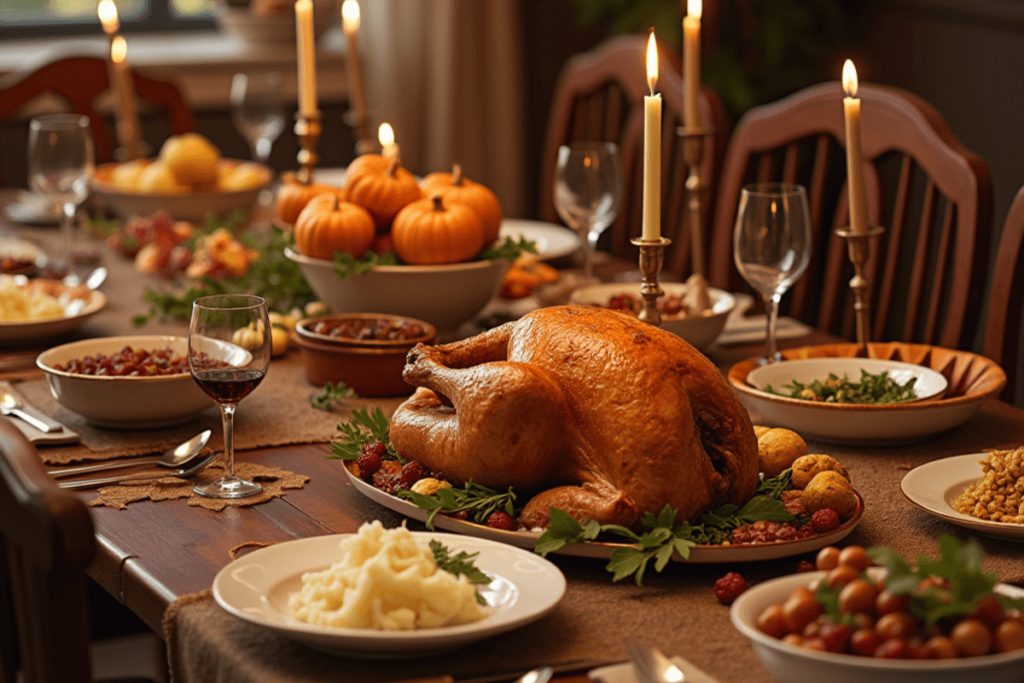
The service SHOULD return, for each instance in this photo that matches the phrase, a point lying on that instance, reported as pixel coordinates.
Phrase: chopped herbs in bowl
(872, 389)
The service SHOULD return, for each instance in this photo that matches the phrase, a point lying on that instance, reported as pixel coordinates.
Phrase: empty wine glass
(228, 354)
(588, 192)
(258, 110)
(60, 164)
(772, 245)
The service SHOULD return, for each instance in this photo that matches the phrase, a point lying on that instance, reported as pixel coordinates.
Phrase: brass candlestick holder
(694, 138)
(307, 128)
(652, 256)
(859, 249)
(360, 125)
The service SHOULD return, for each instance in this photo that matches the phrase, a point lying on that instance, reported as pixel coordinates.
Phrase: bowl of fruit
(385, 243)
(934, 621)
(188, 180)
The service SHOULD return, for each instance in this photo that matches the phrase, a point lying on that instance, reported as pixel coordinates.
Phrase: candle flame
(673, 673)
(694, 8)
(386, 134)
(652, 62)
(107, 12)
(350, 16)
(118, 49)
(850, 79)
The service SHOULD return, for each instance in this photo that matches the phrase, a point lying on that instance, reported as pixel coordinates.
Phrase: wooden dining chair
(1006, 299)
(599, 97)
(80, 80)
(933, 196)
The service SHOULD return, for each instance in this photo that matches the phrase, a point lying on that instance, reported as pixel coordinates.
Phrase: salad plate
(256, 587)
(934, 487)
(553, 241)
(701, 554)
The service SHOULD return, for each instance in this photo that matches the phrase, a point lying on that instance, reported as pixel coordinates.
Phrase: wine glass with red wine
(228, 354)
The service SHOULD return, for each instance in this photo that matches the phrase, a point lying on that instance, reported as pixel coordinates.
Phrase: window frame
(157, 19)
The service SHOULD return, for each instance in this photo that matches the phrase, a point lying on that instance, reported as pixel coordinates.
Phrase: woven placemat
(276, 414)
(274, 480)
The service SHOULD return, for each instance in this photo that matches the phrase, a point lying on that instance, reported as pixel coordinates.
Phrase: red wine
(228, 385)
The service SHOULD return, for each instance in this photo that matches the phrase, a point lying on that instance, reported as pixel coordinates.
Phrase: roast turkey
(583, 409)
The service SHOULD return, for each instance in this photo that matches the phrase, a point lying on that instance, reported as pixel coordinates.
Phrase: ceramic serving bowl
(775, 376)
(971, 378)
(124, 402)
(185, 206)
(699, 330)
(370, 367)
(79, 306)
(274, 26)
(444, 296)
(791, 664)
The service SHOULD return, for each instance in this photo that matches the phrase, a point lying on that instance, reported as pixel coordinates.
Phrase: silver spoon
(183, 472)
(92, 281)
(179, 456)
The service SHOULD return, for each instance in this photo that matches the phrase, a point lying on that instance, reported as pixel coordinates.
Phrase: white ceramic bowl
(929, 384)
(444, 296)
(791, 664)
(698, 330)
(124, 402)
(186, 206)
(76, 312)
(275, 27)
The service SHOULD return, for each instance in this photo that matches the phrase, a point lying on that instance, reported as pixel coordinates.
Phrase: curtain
(447, 75)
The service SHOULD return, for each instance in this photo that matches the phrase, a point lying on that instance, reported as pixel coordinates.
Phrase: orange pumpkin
(455, 187)
(328, 225)
(428, 232)
(293, 197)
(380, 185)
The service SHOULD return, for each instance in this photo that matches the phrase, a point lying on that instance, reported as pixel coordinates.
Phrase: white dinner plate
(935, 485)
(12, 247)
(706, 554)
(553, 241)
(76, 313)
(256, 587)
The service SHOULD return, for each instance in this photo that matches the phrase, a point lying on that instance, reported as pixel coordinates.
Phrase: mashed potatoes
(388, 582)
(19, 303)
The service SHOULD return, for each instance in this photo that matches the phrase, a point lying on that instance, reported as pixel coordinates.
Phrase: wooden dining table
(153, 553)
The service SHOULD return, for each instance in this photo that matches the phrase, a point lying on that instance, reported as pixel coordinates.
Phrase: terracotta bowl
(370, 367)
(972, 379)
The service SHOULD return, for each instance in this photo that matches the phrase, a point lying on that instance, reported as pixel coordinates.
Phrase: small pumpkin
(431, 232)
(380, 185)
(455, 187)
(328, 225)
(293, 197)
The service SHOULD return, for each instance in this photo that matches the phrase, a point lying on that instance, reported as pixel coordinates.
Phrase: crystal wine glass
(258, 110)
(60, 164)
(772, 245)
(588, 192)
(228, 354)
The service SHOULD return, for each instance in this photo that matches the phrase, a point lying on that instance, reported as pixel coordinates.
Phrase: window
(67, 17)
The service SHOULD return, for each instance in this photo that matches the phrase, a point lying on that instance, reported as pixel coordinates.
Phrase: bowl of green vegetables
(853, 381)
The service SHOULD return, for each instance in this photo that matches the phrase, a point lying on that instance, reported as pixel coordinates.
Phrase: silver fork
(652, 666)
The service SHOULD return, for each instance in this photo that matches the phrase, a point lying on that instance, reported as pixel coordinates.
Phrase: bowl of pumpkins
(188, 180)
(385, 243)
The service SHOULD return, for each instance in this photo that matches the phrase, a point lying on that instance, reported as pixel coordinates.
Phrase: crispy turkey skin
(589, 410)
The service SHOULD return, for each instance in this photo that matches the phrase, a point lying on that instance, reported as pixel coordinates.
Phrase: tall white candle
(854, 154)
(691, 63)
(386, 136)
(350, 25)
(652, 149)
(128, 128)
(306, 56)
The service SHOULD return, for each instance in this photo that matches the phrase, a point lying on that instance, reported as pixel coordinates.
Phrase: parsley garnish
(463, 564)
(332, 393)
(364, 427)
(509, 249)
(872, 389)
(479, 502)
(347, 265)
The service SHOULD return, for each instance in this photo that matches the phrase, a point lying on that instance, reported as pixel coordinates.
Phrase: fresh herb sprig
(461, 564)
(871, 389)
(959, 563)
(331, 394)
(364, 427)
(477, 501)
(510, 249)
(347, 265)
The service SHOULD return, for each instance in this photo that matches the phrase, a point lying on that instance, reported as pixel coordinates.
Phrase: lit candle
(652, 148)
(107, 12)
(691, 62)
(350, 25)
(854, 156)
(128, 117)
(307, 56)
(386, 135)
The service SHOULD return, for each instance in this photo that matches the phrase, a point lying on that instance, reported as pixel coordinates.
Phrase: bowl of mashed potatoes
(38, 309)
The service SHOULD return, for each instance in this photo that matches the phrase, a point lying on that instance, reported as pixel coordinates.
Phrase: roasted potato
(807, 466)
(831, 490)
(759, 430)
(777, 449)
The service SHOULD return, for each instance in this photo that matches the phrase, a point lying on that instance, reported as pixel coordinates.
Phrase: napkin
(623, 673)
(37, 438)
(741, 329)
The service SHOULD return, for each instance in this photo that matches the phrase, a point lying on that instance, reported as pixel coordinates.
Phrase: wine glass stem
(261, 150)
(227, 412)
(68, 233)
(771, 307)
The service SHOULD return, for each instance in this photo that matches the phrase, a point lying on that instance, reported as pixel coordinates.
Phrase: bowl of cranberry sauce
(373, 330)
(133, 382)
